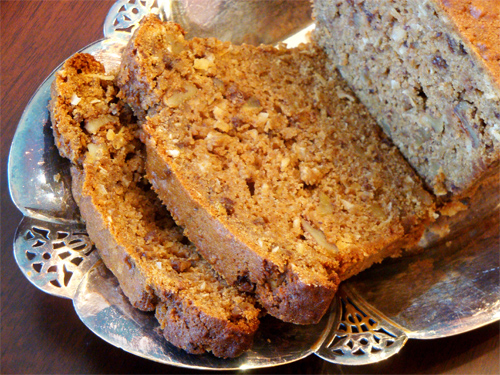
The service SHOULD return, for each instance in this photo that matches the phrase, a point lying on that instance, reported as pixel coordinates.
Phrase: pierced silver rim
(360, 335)
(54, 257)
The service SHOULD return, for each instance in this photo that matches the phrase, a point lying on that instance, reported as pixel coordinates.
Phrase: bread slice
(271, 165)
(429, 72)
(157, 267)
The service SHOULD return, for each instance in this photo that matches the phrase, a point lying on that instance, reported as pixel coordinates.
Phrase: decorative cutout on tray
(360, 336)
(53, 256)
(124, 16)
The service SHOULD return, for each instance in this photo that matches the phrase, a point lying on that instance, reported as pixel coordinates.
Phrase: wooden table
(41, 333)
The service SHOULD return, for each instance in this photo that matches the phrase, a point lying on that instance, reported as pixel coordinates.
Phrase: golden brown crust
(478, 21)
(189, 327)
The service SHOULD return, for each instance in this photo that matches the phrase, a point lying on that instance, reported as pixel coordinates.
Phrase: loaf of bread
(157, 267)
(429, 72)
(270, 164)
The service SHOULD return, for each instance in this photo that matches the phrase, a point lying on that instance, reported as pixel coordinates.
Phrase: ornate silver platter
(451, 288)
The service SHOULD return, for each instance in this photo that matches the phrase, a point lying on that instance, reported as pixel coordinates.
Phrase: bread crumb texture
(280, 154)
(429, 71)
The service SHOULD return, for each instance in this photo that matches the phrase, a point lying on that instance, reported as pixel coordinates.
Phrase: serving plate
(453, 287)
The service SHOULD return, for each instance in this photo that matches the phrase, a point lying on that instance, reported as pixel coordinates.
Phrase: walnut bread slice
(158, 269)
(271, 165)
(429, 72)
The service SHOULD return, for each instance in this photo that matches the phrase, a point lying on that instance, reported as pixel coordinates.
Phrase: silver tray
(453, 287)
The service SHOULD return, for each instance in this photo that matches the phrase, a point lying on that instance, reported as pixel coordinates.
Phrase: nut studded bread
(270, 164)
(429, 72)
(158, 269)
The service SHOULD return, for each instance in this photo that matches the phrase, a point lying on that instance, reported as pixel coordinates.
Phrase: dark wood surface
(41, 333)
